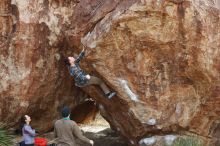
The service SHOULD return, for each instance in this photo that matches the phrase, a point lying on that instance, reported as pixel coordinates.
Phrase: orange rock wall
(162, 58)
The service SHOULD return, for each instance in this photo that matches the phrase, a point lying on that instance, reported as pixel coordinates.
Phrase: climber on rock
(83, 79)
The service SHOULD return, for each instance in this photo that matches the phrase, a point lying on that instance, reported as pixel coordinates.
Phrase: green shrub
(187, 142)
(5, 138)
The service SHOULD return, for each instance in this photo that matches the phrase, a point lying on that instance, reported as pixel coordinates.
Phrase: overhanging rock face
(162, 58)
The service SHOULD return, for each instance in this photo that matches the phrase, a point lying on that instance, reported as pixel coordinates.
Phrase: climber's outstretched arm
(80, 57)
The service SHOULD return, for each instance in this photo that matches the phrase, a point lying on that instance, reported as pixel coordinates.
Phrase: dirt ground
(106, 137)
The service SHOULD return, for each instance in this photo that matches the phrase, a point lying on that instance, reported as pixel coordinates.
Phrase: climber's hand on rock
(83, 49)
(88, 76)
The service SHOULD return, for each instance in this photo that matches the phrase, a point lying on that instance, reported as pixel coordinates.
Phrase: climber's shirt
(78, 74)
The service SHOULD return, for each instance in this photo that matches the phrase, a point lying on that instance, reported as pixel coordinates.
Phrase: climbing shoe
(110, 94)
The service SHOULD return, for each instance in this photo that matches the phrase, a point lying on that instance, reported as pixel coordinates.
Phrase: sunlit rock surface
(161, 56)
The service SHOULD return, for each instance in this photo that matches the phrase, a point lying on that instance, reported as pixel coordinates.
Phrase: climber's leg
(97, 81)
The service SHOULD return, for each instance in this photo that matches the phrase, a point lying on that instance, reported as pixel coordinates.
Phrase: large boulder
(162, 58)
(34, 79)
